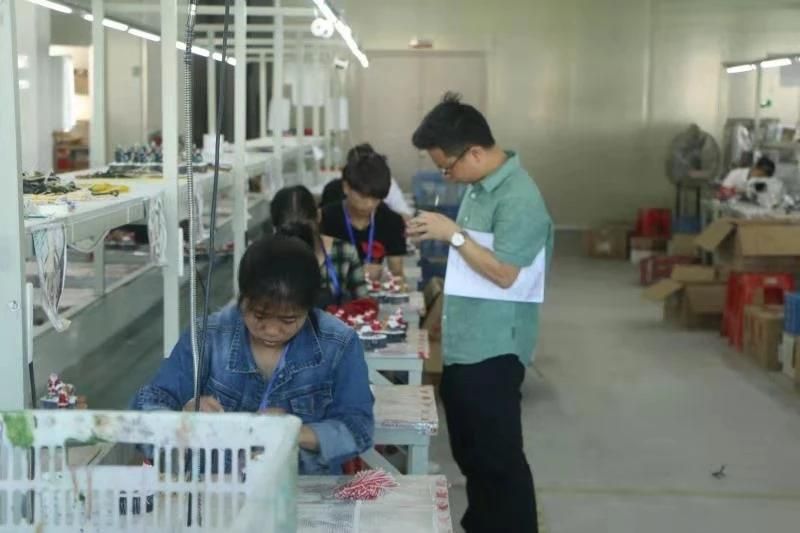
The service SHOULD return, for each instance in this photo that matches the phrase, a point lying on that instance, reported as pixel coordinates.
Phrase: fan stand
(686, 186)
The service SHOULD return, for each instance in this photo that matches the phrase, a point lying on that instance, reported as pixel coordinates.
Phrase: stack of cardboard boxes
(693, 297)
(609, 241)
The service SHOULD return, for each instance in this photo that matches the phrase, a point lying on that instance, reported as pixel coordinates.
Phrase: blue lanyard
(333, 276)
(265, 399)
(352, 234)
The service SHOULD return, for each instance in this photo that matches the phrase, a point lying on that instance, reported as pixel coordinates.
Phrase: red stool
(742, 291)
(654, 222)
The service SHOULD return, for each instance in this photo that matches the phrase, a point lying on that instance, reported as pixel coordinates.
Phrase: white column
(328, 118)
(97, 125)
(13, 328)
(240, 175)
(277, 96)
(315, 121)
(169, 125)
(211, 82)
(757, 113)
(262, 97)
(300, 109)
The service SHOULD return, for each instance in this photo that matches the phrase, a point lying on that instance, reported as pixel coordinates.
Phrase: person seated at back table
(377, 232)
(272, 352)
(333, 192)
(294, 213)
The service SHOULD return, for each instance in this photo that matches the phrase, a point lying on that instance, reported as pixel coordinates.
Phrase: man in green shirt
(487, 343)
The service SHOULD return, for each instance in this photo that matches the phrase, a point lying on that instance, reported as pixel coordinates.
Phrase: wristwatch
(457, 240)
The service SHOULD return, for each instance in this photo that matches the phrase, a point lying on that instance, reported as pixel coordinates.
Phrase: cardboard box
(763, 333)
(637, 256)
(693, 298)
(683, 245)
(649, 244)
(694, 274)
(433, 296)
(753, 245)
(608, 242)
(434, 365)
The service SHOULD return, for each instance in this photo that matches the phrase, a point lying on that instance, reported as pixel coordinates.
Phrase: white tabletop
(420, 504)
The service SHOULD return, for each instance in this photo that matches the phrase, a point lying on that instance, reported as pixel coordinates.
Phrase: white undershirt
(737, 179)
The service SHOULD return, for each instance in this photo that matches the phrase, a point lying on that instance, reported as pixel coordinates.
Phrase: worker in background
(736, 180)
(487, 343)
(333, 193)
(377, 232)
(272, 352)
(294, 212)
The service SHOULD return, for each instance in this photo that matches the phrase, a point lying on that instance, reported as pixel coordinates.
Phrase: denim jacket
(323, 381)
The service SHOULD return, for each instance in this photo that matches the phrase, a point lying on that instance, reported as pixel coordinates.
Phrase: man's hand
(208, 404)
(431, 227)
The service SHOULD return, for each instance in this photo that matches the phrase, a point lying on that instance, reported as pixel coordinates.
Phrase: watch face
(457, 240)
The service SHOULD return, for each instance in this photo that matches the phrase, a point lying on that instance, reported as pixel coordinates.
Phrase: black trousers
(482, 405)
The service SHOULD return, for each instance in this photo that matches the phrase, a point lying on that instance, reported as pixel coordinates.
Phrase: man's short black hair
(279, 271)
(367, 172)
(453, 126)
(766, 165)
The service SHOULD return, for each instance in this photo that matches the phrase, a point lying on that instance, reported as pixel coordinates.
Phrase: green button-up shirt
(508, 204)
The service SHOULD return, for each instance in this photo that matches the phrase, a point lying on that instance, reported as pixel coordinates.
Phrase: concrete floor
(626, 419)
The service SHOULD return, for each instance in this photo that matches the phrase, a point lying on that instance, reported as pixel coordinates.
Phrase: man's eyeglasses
(448, 169)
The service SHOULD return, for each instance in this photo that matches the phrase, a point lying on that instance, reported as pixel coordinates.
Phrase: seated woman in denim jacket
(274, 353)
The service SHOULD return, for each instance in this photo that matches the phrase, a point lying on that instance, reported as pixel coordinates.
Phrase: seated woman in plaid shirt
(294, 212)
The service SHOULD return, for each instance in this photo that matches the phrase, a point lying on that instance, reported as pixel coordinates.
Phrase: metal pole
(300, 109)
(759, 95)
(13, 329)
(211, 83)
(97, 125)
(169, 125)
(262, 97)
(240, 122)
(277, 101)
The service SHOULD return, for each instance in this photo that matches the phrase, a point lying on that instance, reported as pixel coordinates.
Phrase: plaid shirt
(349, 270)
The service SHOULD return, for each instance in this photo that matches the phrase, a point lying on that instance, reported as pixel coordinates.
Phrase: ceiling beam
(262, 11)
(253, 11)
(217, 28)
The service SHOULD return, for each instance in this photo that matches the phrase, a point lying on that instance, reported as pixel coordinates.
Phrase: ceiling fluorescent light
(144, 35)
(231, 61)
(343, 30)
(52, 5)
(216, 56)
(773, 63)
(114, 25)
(738, 69)
(88, 17)
(196, 50)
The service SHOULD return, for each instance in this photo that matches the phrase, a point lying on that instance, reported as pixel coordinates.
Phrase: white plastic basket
(245, 478)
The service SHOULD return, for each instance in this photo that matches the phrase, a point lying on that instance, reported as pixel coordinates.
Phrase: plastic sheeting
(419, 504)
(50, 248)
(410, 407)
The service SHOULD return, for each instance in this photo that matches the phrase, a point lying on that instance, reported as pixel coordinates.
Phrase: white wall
(82, 103)
(591, 91)
(33, 41)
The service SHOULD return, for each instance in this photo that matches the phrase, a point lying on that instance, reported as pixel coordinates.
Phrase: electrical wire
(212, 251)
(192, 201)
(200, 354)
